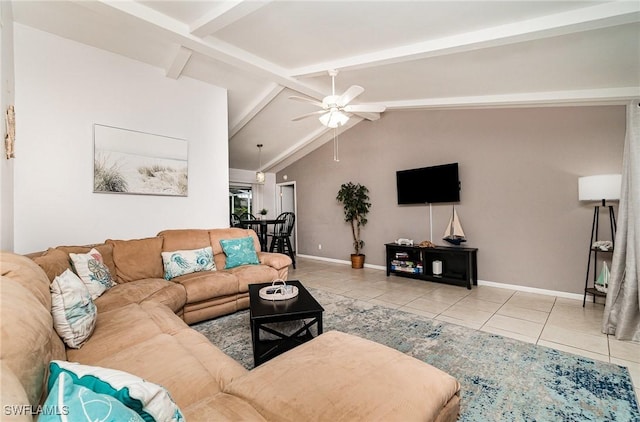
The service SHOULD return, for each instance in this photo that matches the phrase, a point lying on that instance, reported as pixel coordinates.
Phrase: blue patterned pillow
(179, 263)
(239, 252)
(67, 401)
(150, 401)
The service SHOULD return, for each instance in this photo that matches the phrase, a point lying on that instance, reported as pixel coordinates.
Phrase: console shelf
(459, 265)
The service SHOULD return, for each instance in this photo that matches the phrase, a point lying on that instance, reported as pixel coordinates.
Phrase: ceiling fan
(336, 109)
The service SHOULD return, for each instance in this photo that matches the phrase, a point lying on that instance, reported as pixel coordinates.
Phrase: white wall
(6, 99)
(62, 89)
(264, 196)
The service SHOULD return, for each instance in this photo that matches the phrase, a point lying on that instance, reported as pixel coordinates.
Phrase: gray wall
(519, 172)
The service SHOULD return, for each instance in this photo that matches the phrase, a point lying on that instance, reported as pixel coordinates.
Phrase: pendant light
(259, 173)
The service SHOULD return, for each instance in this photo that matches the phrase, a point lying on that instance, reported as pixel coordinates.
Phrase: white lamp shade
(259, 177)
(333, 119)
(598, 188)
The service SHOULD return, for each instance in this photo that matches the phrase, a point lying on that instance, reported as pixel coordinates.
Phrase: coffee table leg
(255, 335)
(319, 324)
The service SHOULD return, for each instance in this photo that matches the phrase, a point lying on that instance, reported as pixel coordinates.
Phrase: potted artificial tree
(355, 200)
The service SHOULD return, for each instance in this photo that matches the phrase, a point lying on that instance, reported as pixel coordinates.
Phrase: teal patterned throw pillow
(150, 401)
(70, 402)
(179, 263)
(239, 252)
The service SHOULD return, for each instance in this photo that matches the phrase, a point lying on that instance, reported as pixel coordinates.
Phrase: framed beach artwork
(133, 162)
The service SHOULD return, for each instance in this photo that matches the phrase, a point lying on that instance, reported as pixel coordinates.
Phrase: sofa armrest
(275, 260)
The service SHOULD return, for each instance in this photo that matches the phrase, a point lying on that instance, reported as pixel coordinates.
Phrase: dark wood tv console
(459, 265)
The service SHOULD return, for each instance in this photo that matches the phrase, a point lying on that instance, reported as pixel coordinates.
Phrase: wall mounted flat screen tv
(428, 185)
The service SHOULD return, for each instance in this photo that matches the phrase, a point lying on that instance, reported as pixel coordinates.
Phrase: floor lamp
(601, 188)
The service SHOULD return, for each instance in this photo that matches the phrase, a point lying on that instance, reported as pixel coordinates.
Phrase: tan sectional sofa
(139, 330)
(138, 269)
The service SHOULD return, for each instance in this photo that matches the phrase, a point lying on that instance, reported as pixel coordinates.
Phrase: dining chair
(235, 220)
(247, 216)
(281, 236)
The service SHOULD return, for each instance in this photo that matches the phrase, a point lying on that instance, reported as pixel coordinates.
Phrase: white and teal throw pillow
(71, 402)
(92, 271)
(74, 313)
(179, 263)
(150, 401)
(239, 251)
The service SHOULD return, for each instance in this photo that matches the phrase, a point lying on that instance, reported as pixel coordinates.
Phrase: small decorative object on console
(406, 242)
(426, 244)
(278, 291)
(603, 245)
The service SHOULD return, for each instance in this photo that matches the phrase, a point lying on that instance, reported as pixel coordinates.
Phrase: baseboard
(516, 287)
(341, 261)
(527, 289)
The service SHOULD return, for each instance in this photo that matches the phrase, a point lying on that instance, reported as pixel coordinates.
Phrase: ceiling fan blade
(350, 94)
(306, 100)
(365, 108)
(304, 116)
(368, 116)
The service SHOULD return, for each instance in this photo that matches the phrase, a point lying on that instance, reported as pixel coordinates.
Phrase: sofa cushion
(239, 251)
(142, 359)
(137, 259)
(222, 407)
(184, 239)
(54, 262)
(73, 400)
(28, 343)
(352, 379)
(216, 235)
(206, 285)
(158, 290)
(12, 391)
(106, 251)
(152, 402)
(92, 271)
(181, 262)
(116, 330)
(74, 313)
(251, 274)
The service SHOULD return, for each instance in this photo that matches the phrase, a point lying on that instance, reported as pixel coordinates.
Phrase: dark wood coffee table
(261, 311)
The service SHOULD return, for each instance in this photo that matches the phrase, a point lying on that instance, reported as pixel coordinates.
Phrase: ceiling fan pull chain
(335, 146)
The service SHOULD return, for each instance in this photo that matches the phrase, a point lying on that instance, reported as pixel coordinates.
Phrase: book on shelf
(400, 265)
(404, 269)
(406, 263)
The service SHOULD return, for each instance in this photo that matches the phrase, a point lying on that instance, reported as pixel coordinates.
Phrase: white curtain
(622, 308)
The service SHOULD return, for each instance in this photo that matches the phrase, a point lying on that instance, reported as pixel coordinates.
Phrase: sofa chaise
(141, 329)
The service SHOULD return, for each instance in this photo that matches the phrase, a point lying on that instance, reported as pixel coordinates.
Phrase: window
(240, 199)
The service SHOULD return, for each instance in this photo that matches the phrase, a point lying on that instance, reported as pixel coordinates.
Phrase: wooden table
(262, 229)
(262, 312)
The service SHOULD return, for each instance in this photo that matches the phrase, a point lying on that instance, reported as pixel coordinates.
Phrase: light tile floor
(549, 321)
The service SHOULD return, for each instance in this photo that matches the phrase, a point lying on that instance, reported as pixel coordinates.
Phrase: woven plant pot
(357, 261)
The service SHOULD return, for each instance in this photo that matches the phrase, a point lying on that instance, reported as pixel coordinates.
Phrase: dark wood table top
(304, 303)
(260, 222)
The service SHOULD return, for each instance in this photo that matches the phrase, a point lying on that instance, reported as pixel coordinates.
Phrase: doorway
(286, 202)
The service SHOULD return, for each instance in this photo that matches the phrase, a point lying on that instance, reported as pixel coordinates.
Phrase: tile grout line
(555, 300)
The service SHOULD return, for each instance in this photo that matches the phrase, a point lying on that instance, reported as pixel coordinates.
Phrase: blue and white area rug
(501, 379)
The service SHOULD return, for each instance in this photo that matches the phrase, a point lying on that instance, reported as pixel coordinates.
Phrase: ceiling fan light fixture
(334, 119)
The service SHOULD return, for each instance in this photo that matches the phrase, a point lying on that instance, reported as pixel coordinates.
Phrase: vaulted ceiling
(406, 55)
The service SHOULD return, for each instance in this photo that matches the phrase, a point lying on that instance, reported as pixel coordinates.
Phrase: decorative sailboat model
(454, 233)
